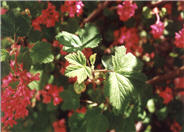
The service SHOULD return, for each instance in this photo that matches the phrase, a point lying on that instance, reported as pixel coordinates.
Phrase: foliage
(82, 66)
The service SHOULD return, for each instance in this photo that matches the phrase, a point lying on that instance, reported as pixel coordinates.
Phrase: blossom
(124, 36)
(51, 91)
(126, 10)
(59, 126)
(157, 29)
(175, 127)
(166, 95)
(179, 38)
(3, 11)
(48, 17)
(72, 8)
(16, 95)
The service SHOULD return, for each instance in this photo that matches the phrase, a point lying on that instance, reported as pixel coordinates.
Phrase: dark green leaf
(41, 53)
(71, 100)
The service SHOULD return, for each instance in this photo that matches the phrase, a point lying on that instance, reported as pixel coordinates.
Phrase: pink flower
(126, 10)
(166, 95)
(51, 91)
(72, 8)
(16, 98)
(124, 36)
(3, 11)
(157, 29)
(179, 38)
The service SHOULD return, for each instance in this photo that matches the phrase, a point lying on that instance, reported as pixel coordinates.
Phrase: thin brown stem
(171, 75)
(95, 13)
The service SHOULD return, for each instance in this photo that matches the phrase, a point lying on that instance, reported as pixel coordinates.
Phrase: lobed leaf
(77, 67)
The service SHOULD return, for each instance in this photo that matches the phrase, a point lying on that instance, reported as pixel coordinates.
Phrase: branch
(168, 76)
(95, 13)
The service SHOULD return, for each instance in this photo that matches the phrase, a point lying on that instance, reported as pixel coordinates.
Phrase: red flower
(72, 8)
(125, 35)
(3, 11)
(51, 91)
(126, 10)
(59, 126)
(179, 83)
(157, 29)
(175, 127)
(16, 98)
(179, 38)
(48, 17)
(166, 95)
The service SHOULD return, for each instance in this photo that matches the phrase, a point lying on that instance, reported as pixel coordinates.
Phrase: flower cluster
(167, 95)
(15, 94)
(126, 10)
(179, 38)
(72, 8)
(59, 126)
(51, 91)
(158, 27)
(48, 17)
(125, 35)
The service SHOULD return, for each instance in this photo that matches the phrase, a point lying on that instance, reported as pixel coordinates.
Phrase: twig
(161, 78)
(95, 13)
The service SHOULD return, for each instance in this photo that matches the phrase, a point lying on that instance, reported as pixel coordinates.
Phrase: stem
(103, 70)
(95, 13)
(171, 75)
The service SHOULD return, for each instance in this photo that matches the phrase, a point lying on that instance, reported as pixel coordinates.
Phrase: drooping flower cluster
(126, 10)
(15, 94)
(158, 27)
(167, 95)
(129, 37)
(51, 91)
(48, 17)
(179, 38)
(72, 8)
(59, 126)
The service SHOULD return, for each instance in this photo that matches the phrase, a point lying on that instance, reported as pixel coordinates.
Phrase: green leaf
(92, 59)
(77, 123)
(41, 53)
(71, 42)
(79, 88)
(12, 24)
(4, 54)
(71, 100)
(96, 122)
(120, 83)
(120, 88)
(89, 37)
(77, 67)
